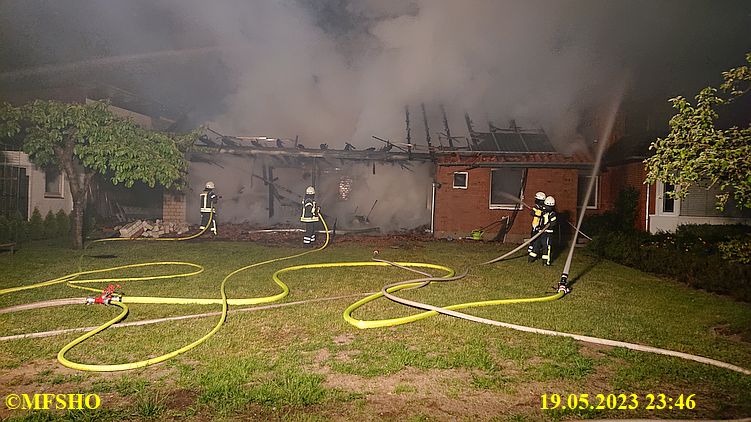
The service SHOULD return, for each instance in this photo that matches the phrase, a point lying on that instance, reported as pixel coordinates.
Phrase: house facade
(623, 167)
(24, 187)
(476, 188)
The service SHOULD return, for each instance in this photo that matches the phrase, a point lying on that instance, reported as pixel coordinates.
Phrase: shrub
(36, 225)
(626, 207)
(63, 223)
(621, 219)
(736, 250)
(18, 229)
(697, 264)
(50, 226)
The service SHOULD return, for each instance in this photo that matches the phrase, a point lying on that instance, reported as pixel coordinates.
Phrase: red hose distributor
(106, 297)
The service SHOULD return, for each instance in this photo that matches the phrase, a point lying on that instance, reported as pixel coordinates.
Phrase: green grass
(304, 362)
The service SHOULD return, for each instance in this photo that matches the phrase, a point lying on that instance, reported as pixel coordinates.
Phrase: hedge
(693, 255)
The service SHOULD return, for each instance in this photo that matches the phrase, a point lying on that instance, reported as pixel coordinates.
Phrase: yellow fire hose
(70, 279)
(411, 284)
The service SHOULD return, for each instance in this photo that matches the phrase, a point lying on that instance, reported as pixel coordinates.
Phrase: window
(665, 204)
(53, 183)
(505, 185)
(701, 201)
(460, 180)
(594, 197)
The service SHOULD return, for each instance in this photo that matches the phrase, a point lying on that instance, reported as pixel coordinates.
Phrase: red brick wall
(615, 178)
(173, 208)
(459, 211)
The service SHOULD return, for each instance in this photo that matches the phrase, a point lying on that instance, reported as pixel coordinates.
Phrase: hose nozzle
(563, 284)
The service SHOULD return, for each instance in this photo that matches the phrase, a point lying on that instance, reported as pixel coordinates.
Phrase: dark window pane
(52, 182)
(460, 180)
(582, 191)
(505, 183)
(668, 204)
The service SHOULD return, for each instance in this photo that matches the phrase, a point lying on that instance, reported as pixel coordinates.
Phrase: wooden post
(409, 133)
(270, 177)
(446, 127)
(427, 130)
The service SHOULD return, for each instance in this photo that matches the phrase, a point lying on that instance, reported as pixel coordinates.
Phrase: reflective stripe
(206, 202)
(309, 211)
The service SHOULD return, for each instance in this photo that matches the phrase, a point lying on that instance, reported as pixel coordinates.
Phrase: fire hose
(452, 310)
(110, 298)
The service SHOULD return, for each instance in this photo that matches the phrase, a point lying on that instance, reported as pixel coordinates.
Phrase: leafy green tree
(696, 150)
(85, 139)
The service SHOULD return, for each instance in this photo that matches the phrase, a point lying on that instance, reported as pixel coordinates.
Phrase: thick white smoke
(335, 71)
(402, 194)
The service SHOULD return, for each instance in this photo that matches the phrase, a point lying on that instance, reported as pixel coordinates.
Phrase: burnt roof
(512, 140)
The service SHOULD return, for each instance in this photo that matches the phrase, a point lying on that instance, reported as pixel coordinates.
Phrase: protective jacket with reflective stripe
(551, 218)
(309, 210)
(208, 201)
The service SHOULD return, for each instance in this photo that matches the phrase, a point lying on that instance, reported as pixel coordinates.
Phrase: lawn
(304, 362)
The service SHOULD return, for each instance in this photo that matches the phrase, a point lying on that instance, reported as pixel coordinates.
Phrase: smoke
(342, 70)
(335, 71)
(378, 196)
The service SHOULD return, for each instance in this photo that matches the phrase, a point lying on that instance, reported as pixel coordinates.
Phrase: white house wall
(37, 197)
(662, 221)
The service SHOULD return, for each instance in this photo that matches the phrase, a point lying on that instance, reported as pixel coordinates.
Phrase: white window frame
(596, 192)
(61, 186)
(466, 179)
(659, 193)
(510, 206)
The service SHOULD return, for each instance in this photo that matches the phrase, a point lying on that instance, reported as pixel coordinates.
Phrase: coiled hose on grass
(120, 301)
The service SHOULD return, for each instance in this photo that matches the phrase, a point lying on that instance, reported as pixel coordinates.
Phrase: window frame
(596, 192)
(466, 179)
(60, 185)
(660, 202)
(509, 206)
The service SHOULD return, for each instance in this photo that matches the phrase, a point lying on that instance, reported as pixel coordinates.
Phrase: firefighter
(535, 247)
(208, 207)
(549, 219)
(309, 216)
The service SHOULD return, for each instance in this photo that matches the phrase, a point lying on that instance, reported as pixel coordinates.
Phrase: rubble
(153, 229)
(280, 235)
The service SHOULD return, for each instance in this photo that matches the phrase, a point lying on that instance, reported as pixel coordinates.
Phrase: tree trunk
(78, 180)
(78, 206)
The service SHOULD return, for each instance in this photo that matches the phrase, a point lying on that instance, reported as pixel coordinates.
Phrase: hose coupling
(563, 284)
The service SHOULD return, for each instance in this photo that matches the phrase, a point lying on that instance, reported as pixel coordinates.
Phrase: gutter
(519, 164)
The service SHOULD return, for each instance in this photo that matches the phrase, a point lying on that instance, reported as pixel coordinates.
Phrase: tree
(86, 139)
(696, 150)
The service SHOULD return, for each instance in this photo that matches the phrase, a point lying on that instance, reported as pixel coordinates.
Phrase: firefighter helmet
(209, 185)
(540, 196)
(310, 190)
(550, 201)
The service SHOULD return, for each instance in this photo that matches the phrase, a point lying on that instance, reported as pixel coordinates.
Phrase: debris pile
(155, 229)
